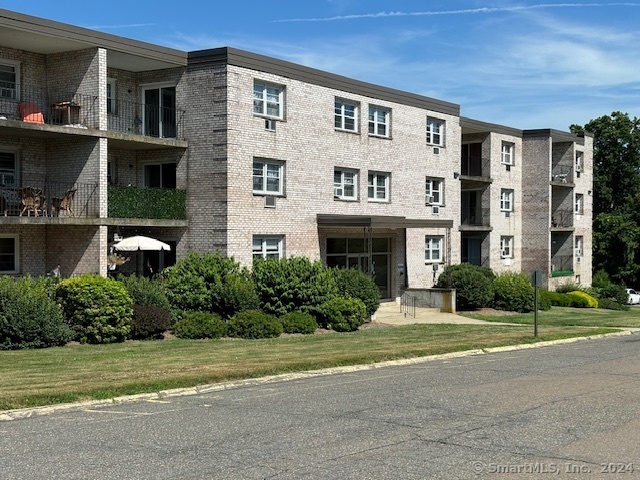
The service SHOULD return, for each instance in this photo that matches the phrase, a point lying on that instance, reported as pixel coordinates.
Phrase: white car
(634, 297)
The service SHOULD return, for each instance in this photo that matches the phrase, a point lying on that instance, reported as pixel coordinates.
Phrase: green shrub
(208, 283)
(560, 299)
(254, 324)
(198, 325)
(145, 291)
(291, 284)
(513, 292)
(611, 291)
(98, 309)
(611, 304)
(29, 317)
(354, 283)
(591, 302)
(600, 279)
(569, 287)
(473, 284)
(544, 300)
(342, 314)
(149, 322)
(298, 322)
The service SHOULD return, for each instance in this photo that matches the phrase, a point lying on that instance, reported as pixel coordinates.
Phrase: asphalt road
(563, 411)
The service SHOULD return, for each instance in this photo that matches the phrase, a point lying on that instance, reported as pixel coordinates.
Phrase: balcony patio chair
(30, 112)
(63, 203)
(32, 200)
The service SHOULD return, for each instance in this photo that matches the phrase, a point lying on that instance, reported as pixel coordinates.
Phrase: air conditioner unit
(507, 261)
(578, 259)
(428, 200)
(270, 124)
(270, 202)
(337, 192)
(578, 167)
(508, 168)
(507, 214)
(435, 209)
(436, 150)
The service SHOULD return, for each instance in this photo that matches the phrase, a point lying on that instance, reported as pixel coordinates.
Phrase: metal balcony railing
(562, 218)
(38, 198)
(475, 217)
(562, 174)
(37, 105)
(561, 265)
(475, 166)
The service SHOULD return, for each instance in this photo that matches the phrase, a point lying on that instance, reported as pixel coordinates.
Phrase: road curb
(24, 413)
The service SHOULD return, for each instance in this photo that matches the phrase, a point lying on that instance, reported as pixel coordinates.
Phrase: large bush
(29, 317)
(473, 284)
(145, 291)
(292, 284)
(354, 283)
(98, 309)
(254, 324)
(198, 325)
(591, 302)
(149, 322)
(513, 292)
(342, 314)
(209, 283)
(298, 322)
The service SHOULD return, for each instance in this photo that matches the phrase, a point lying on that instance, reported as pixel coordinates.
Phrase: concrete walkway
(389, 313)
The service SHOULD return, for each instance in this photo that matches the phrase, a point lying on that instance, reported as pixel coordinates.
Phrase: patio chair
(63, 203)
(32, 200)
(30, 112)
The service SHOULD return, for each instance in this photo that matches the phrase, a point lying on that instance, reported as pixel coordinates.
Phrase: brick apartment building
(224, 150)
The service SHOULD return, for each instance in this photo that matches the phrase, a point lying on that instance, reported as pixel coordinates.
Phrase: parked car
(634, 297)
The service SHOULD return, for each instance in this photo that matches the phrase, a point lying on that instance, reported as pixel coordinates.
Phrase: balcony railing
(562, 218)
(475, 217)
(151, 203)
(37, 198)
(562, 174)
(561, 265)
(475, 166)
(37, 105)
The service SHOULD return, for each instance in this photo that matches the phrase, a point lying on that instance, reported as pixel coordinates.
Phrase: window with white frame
(268, 99)
(9, 253)
(435, 131)
(506, 200)
(268, 177)
(111, 95)
(268, 246)
(433, 249)
(379, 121)
(506, 247)
(346, 115)
(8, 168)
(507, 153)
(378, 187)
(9, 79)
(160, 175)
(579, 162)
(579, 241)
(434, 191)
(345, 184)
(579, 204)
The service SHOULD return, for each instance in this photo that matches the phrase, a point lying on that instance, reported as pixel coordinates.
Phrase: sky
(523, 64)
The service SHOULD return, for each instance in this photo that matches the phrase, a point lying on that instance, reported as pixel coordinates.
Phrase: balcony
(562, 219)
(33, 198)
(148, 203)
(34, 105)
(562, 176)
(471, 166)
(561, 265)
(478, 218)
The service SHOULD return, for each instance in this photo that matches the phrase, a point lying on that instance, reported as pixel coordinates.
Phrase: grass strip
(81, 372)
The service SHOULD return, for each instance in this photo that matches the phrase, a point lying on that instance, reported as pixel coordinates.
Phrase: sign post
(536, 280)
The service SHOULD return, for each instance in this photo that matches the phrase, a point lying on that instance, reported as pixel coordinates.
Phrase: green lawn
(78, 372)
(565, 316)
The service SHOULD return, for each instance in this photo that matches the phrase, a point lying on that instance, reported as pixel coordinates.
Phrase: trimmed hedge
(199, 325)
(591, 302)
(342, 314)
(473, 284)
(149, 322)
(254, 324)
(513, 292)
(354, 283)
(138, 202)
(298, 322)
(98, 309)
(29, 317)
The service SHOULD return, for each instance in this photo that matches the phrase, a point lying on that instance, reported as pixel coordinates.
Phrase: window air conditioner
(435, 209)
(270, 202)
(337, 192)
(578, 167)
(578, 259)
(270, 124)
(507, 214)
(508, 167)
(436, 150)
(428, 200)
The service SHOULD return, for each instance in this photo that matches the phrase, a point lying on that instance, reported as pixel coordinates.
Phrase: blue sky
(524, 64)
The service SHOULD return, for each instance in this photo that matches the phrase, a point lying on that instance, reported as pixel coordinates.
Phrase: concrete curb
(23, 413)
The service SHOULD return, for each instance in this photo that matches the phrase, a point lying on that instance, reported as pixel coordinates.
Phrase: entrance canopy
(379, 221)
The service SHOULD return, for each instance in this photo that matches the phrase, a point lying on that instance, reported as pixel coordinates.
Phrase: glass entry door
(160, 112)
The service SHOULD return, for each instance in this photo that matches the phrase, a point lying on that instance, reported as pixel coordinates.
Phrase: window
(579, 205)
(345, 184)
(506, 200)
(268, 100)
(506, 247)
(378, 187)
(9, 79)
(379, 121)
(111, 176)
(579, 245)
(267, 247)
(579, 162)
(267, 177)
(507, 153)
(8, 169)
(111, 95)
(161, 175)
(159, 111)
(346, 114)
(434, 191)
(435, 131)
(433, 249)
(9, 253)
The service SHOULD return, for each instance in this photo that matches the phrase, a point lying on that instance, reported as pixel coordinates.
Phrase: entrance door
(472, 251)
(160, 112)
